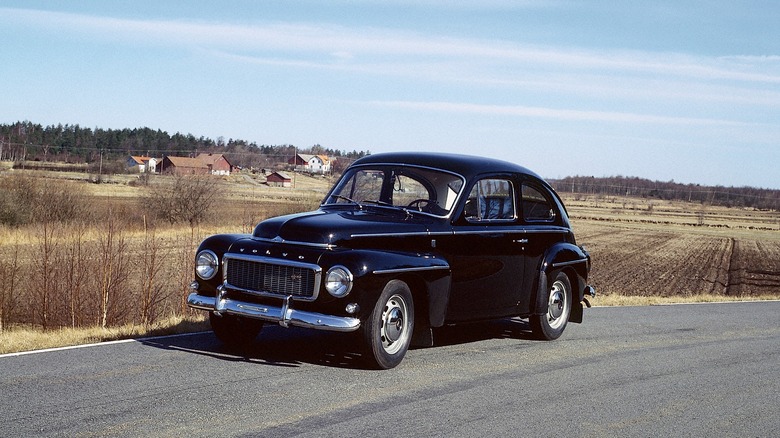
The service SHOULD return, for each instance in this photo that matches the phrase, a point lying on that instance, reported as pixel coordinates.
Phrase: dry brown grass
(20, 339)
(625, 300)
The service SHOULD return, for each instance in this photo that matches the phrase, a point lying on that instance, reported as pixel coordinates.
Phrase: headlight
(338, 281)
(206, 264)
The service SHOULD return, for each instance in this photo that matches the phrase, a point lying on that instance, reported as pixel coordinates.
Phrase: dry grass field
(645, 251)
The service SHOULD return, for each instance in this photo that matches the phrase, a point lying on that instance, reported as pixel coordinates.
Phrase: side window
(536, 207)
(489, 200)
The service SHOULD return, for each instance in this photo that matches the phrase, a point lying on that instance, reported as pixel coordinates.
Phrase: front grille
(272, 277)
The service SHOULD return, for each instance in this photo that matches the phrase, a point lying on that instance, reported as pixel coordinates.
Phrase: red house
(217, 163)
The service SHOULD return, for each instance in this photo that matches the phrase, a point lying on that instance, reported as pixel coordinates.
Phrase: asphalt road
(686, 370)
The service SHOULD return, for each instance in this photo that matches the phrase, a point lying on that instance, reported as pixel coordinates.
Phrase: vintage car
(403, 243)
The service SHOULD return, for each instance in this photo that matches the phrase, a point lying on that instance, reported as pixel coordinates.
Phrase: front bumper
(284, 315)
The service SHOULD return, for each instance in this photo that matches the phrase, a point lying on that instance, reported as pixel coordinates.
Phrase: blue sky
(668, 90)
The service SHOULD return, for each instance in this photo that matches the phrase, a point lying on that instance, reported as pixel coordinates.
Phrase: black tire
(235, 331)
(387, 332)
(551, 324)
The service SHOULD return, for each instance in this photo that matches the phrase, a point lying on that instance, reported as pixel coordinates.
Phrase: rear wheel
(550, 325)
(387, 332)
(235, 331)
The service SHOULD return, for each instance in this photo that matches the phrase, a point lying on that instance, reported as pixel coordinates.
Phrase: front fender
(425, 273)
(219, 244)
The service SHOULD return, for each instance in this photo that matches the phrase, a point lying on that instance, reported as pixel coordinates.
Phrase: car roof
(464, 165)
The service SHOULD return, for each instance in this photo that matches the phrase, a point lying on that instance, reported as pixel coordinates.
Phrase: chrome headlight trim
(338, 281)
(206, 264)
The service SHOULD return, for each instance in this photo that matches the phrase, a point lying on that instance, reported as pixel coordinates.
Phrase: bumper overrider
(285, 315)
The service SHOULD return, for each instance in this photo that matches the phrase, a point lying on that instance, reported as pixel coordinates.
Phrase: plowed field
(679, 249)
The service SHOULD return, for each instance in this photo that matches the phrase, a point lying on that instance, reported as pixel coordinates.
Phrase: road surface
(684, 370)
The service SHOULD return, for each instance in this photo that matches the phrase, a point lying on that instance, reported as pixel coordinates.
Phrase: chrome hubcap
(393, 330)
(557, 305)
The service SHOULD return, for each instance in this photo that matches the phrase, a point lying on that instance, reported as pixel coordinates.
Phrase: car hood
(334, 227)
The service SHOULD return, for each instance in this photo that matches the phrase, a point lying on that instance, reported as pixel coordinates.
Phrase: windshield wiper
(350, 200)
(378, 202)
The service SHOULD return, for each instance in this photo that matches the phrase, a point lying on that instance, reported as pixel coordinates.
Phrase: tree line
(23, 141)
(617, 186)
(27, 141)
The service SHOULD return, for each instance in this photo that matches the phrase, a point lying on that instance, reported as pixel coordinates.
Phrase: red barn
(217, 163)
(184, 166)
(279, 179)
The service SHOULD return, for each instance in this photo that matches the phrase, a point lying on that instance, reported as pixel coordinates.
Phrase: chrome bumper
(284, 316)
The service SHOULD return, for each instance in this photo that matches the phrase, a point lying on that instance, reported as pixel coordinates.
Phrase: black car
(403, 243)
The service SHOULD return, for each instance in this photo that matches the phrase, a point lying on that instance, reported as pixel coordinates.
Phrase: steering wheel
(417, 203)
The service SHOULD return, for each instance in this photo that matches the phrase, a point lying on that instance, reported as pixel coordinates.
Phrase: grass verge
(18, 339)
(28, 339)
(625, 300)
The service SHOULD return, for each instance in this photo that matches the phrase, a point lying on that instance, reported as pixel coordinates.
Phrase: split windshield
(422, 189)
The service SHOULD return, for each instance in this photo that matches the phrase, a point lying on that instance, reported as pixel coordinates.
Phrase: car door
(485, 252)
(541, 219)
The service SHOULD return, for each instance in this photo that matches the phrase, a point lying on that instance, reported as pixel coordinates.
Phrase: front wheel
(235, 331)
(387, 332)
(550, 325)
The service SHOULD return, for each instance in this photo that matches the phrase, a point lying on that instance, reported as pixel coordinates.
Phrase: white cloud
(552, 113)
(365, 44)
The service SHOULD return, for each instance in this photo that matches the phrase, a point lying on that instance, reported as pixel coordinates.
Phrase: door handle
(521, 240)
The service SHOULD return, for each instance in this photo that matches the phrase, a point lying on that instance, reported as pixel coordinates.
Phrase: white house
(311, 163)
(142, 164)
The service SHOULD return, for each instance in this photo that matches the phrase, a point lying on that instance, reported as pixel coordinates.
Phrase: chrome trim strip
(295, 242)
(284, 316)
(419, 233)
(416, 234)
(489, 231)
(271, 261)
(556, 230)
(573, 262)
(418, 269)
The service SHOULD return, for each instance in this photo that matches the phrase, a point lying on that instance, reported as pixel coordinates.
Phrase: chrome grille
(272, 277)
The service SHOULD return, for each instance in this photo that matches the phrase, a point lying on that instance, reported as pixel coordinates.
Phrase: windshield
(426, 190)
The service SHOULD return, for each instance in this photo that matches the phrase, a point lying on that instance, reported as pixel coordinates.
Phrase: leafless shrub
(26, 199)
(183, 198)
(183, 269)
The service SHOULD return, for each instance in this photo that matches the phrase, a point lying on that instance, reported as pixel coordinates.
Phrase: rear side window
(536, 207)
(491, 200)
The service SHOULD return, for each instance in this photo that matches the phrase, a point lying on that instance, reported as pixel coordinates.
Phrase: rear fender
(572, 260)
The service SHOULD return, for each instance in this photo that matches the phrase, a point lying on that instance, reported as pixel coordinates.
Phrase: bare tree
(77, 267)
(150, 265)
(113, 271)
(9, 277)
(44, 275)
